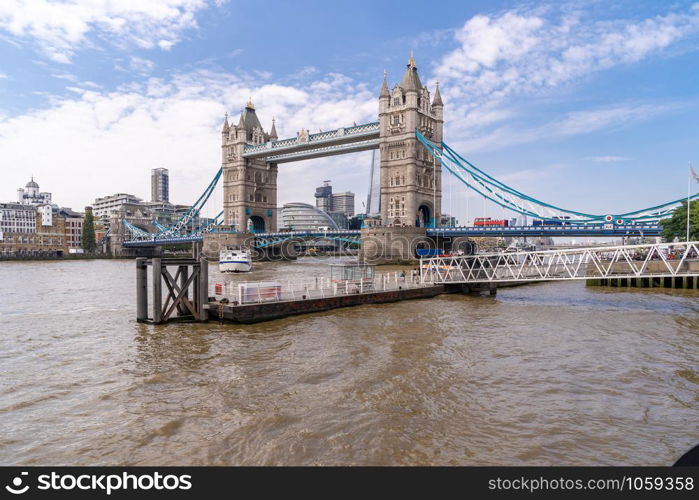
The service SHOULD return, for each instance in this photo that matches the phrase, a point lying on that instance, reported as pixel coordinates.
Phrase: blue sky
(586, 105)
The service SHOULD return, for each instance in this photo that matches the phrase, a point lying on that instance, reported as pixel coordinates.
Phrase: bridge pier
(214, 242)
(392, 244)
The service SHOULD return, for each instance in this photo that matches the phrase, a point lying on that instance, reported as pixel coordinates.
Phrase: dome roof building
(305, 217)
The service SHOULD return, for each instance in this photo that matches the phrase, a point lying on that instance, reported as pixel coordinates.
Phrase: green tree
(88, 239)
(676, 226)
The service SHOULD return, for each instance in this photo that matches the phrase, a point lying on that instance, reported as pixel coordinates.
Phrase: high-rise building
(344, 203)
(324, 197)
(159, 185)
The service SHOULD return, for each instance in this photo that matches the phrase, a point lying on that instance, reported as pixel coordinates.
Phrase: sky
(589, 105)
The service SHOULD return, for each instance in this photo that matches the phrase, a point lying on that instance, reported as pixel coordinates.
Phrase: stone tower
(410, 188)
(249, 185)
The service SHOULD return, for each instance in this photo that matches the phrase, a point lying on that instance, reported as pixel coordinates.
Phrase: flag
(693, 173)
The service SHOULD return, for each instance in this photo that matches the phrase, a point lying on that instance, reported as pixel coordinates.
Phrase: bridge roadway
(592, 230)
(333, 142)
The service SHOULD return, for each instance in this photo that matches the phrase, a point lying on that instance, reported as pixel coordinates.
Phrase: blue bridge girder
(577, 230)
(263, 240)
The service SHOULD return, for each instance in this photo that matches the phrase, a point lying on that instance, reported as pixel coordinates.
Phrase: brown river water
(547, 374)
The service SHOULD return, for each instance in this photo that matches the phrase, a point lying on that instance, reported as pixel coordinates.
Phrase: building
(343, 203)
(329, 202)
(31, 231)
(340, 219)
(74, 227)
(159, 185)
(30, 195)
(305, 217)
(324, 197)
(105, 206)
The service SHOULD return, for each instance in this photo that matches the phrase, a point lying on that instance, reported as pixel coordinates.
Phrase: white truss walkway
(630, 261)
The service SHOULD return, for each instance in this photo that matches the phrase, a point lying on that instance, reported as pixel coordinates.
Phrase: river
(547, 374)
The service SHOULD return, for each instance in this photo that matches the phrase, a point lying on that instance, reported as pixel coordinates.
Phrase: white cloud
(524, 51)
(97, 142)
(607, 158)
(533, 52)
(572, 123)
(60, 27)
(3, 76)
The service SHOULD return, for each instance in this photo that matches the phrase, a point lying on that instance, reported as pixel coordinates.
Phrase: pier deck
(265, 311)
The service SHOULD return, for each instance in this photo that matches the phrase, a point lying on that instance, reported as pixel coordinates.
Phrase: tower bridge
(410, 175)
(413, 154)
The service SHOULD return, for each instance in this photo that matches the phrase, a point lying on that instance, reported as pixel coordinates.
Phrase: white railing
(317, 287)
(629, 261)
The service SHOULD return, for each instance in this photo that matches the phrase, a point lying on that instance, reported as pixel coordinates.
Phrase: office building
(324, 197)
(344, 203)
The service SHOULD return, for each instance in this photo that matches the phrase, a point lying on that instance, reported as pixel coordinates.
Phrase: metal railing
(628, 261)
(317, 287)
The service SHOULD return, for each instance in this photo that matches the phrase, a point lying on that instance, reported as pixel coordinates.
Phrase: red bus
(488, 222)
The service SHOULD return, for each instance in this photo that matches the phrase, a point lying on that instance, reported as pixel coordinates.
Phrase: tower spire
(273, 131)
(226, 126)
(437, 101)
(384, 85)
(411, 80)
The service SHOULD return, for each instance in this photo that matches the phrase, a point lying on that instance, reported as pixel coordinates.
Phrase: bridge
(262, 240)
(413, 156)
(666, 260)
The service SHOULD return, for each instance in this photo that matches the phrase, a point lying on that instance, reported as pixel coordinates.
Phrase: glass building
(305, 217)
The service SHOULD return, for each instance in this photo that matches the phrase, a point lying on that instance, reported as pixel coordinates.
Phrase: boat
(235, 260)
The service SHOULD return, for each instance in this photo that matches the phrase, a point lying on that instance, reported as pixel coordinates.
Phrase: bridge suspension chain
(512, 199)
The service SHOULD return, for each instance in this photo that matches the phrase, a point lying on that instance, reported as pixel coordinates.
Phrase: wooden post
(157, 290)
(141, 290)
(184, 275)
(203, 288)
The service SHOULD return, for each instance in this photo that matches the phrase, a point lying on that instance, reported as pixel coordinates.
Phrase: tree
(88, 239)
(676, 226)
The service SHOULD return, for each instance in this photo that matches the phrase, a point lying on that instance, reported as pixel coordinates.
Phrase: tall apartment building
(343, 203)
(159, 185)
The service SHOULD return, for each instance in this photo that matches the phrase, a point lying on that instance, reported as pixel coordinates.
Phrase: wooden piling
(184, 275)
(203, 288)
(141, 290)
(157, 290)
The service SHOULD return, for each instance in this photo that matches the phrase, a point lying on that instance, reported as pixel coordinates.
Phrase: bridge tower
(411, 191)
(249, 185)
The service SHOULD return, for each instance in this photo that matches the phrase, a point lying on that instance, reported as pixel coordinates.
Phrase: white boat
(235, 260)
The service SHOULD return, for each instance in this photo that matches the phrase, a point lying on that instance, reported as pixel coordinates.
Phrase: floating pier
(189, 296)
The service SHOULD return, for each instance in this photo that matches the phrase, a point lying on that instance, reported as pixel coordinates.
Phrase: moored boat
(235, 260)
